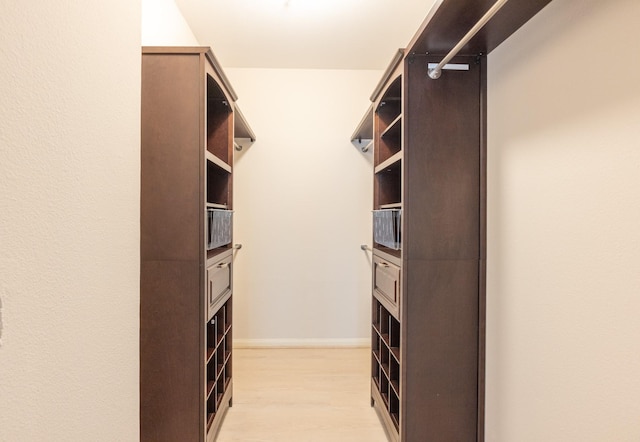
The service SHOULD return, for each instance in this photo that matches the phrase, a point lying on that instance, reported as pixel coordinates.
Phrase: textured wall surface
(303, 199)
(164, 25)
(69, 217)
(563, 295)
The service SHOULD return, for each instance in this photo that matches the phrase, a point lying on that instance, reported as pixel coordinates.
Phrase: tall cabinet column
(186, 277)
(427, 268)
(429, 222)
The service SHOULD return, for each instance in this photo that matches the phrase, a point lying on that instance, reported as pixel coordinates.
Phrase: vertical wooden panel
(170, 186)
(440, 350)
(171, 246)
(170, 385)
(442, 162)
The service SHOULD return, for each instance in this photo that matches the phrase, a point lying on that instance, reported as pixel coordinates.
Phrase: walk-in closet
(320, 220)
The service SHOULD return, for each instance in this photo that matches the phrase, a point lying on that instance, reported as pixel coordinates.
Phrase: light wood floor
(301, 395)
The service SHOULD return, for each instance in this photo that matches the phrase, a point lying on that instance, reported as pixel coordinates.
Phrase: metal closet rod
(435, 72)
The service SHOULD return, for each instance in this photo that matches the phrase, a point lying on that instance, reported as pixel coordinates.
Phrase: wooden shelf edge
(393, 256)
(241, 128)
(221, 255)
(364, 130)
(217, 206)
(391, 161)
(423, 26)
(219, 303)
(376, 355)
(376, 329)
(390, 308)
(513, 15)
(217, 161)
(217, 67)
(395, 386)
(210, 388)
(392, 126)
(386, 371)
(395, 351)
(391, 206)
(397, 58)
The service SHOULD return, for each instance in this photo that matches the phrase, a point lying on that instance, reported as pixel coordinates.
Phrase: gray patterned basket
(387, 228)
(219, 227)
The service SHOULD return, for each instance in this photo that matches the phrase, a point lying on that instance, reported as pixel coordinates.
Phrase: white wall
(563, 295)
(164, 25)
(302, 199)
(69, 218)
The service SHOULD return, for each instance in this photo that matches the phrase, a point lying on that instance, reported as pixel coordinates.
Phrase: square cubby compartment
(394, 337)
(394, 409)
(221, 358)
(375, 371)
(388, 186)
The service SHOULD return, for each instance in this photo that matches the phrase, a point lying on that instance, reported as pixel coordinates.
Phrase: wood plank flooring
(301, 395)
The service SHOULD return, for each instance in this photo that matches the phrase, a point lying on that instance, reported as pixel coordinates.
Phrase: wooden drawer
(219, 282)
(386, 284)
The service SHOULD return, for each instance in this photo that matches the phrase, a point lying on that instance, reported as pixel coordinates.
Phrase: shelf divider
(217, 161)
(394, 125)
(391, 161)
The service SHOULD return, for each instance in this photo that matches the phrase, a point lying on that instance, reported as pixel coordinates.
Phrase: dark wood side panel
(442, 209)
(170, 187)
(170, 393)
(482, 291)
(440, 351)
(171, 249)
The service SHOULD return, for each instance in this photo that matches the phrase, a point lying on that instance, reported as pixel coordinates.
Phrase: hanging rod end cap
(434, 73)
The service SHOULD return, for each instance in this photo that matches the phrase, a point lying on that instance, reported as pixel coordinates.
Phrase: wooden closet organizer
(429, 245)
(189, 121)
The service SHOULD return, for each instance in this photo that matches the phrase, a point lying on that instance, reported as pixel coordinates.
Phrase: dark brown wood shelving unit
(428, 294)
(189, 119)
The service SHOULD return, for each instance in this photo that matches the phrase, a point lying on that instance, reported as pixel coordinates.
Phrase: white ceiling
(309, 34)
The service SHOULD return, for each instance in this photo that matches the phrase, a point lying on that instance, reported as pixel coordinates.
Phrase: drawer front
(386, 284)
(219, 277)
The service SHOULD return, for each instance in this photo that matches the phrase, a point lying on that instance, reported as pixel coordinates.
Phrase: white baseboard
(302, 343)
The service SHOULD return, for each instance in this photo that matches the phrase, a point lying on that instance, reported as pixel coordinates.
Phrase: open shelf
(388, 185)
(392, 131)
(218, 185)
(219, 122)
(217, 162)
(392, 252)
(218, 367)
(364, 130)
(392, 95)
(241, 128)
(389, 163)
(385, 363)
